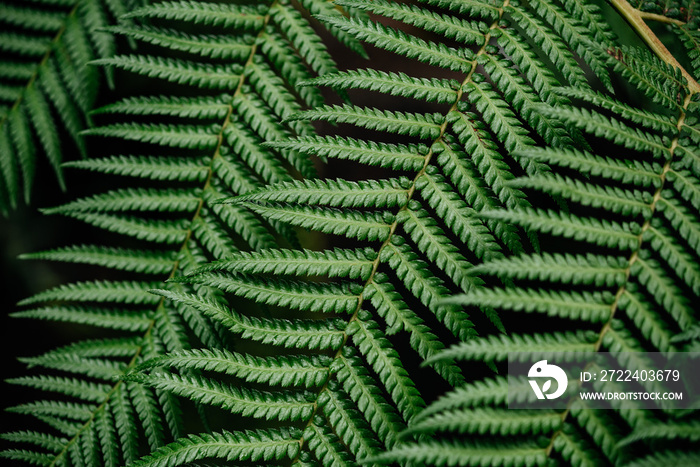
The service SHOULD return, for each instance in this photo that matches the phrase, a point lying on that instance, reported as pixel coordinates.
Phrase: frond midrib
(184, 248)
(607, 326)
(410, 193)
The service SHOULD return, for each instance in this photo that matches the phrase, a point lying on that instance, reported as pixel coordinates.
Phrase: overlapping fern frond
(420, 229)
(47, 87)
(309, 353)
(621, 263)
(199, 143)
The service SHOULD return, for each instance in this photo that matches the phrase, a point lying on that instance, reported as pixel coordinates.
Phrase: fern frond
(380, 193)
(573, 305)
(619, 201)
(424, 126)
(397, 41)
(496, 348)
(329, 298)
(264, 445)
(445, 25)
(352, 264)
(47, 86)
(372, 226)
(231, 16)
(248, 83)
(281, 371)
(176, 71)
(633, 273)
(592, 230)
(153, 262)
(639, 173)
(256, 404)
(597, 270)
(489, 421)
(155, 168)
(396, 84)
(176, 136)
(508, 192)
(200, 107)
(397, 157)
(613, 130)
(296, 334)
(453, 453)
(210, 46)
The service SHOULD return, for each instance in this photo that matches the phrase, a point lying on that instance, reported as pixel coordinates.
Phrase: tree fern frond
(46, 48)
(496, 348)
(250, 445)
(641, 298)
(677, 430)
(452, 453)
(667, 458)
(639, 173)
(156, 168)
(153, 262)
(160, 231)
(397, 41)
(551, 44)
(613, 199)
(272, 370)
(613, 130)
(310, 334)
(176, 136)
(84, 390)
(176, 71)
(95, 368)
(97, 291)
(256, 404)
(598, 270)
(43, 440)
(199, 107)
(31, 457)
(207, 130)
(369, 339)
(380, 193)
(396, 84)
(445, 25)
(592, 230)
(210, 46)
(585, 306)
(574, 34)
(303, 306)
(108, 318)
(397, 157)
(489, 421)
(333, 263)
(212, 14)
(661, 123)
(373, 226)
(329, 298)
(424, 126)
(132, 200)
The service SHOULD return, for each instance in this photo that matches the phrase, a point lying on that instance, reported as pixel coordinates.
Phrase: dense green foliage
(503, 192)
(46, 84)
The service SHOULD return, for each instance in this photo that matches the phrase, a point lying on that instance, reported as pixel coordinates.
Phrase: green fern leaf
(255, 446)
(509, 192)
(44, 81)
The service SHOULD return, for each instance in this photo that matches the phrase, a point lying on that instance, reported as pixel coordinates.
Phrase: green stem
(636, 20)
